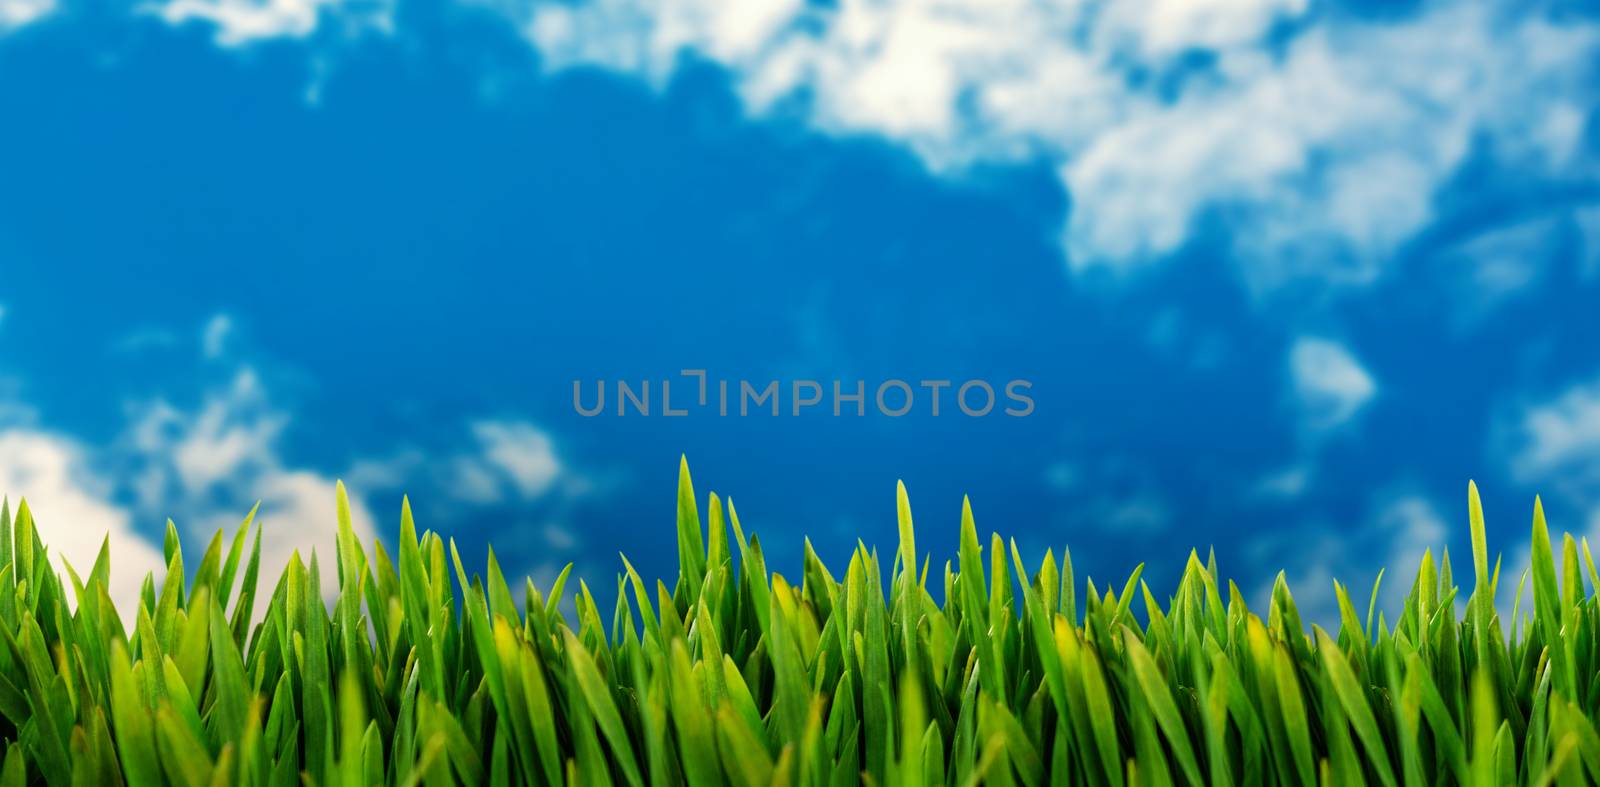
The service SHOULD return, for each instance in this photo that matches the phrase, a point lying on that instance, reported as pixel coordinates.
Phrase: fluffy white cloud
(241, 22)
(505, 461)
(16, 13)
(505, 465)
(1557, 442)
(204, 467)
(1399, 525)
(214, 336)
(207, 465)
(1414, 526)
(71, 509)
(1330, 384)
(1322, 140)
(521, 452)
(1284, 484)
(1325, 151)
(1494, 266)
(1554, 445)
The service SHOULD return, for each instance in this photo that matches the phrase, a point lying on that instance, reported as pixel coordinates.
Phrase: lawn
(897, 671)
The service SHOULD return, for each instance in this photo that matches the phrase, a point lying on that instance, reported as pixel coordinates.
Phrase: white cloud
(214, 336)
(472, 481)
(242, 22)
(17, 13)
(1494, 266)
(1284, 484)
(506, 461)
(71, 510)
(1506, 260)
(1553, 445)
(1330, 384)
(1115, 494)
(143, 340)
(520, 451)
(506, 465)
(1557, 442)
(1414, 526)
(1321, 139)
(1325, 152)
(233, 427)
(206, 466)
(1399, 526)
(559, 538)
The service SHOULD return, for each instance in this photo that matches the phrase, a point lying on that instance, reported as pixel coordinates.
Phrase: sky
(1283, 275)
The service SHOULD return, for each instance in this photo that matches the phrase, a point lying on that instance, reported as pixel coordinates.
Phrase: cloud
(1556, 443)
(1321, 140)
(1553, 445)
(1324, 140)
(507, 468)
(522, 453)
(244, 22)
(1147, 515)
(1492, 267)
(1503, 261)
(205, 466)
(1414, 526)
(1114, 494)
(143, 340)
(214, 336)
(1284, 484)
(1400, 524)
(71, 509)
(504, 461)
(1330, 385)
(15, 14)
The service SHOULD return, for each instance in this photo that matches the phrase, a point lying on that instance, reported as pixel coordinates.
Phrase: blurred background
(1284, 274)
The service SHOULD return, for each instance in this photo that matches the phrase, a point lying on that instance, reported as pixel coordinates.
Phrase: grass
(732, 675)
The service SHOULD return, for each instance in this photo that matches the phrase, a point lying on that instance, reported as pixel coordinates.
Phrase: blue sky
(1284, 275)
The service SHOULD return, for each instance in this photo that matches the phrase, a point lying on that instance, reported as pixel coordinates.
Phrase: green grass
(732, 675)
